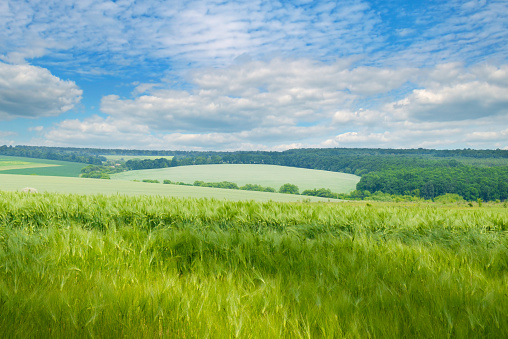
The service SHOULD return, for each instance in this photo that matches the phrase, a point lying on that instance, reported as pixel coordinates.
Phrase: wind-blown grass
(150, 267)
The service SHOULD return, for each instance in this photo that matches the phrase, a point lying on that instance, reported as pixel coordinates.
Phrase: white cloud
(359, 117)
(489, 136)
(32, 92)
(36, 129)
(275, 104)
(97, 33)
(7, 137)
(97, 131)
(359, 138)
(257, 94)
(455, 94)
(4, 134)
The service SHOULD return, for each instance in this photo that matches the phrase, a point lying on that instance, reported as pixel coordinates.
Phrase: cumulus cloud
(361, 116)
(257, 94)
(488, 136)
(461, 102)
(275, 104)
(97, 131)
(95, 127)
(31, 92)
(455, 94)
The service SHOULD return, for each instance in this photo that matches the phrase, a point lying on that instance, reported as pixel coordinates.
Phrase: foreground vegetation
(122, 266)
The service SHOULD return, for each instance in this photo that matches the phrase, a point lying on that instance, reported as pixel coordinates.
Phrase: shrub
(449, 198)
(289, 189)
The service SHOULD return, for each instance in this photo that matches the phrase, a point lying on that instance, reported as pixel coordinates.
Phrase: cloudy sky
(254, 75)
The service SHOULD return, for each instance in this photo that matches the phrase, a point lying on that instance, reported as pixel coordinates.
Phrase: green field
(98, 186)
(146, 267)
(41, 167)
(138, 157)
(6, 165)
(264, 175)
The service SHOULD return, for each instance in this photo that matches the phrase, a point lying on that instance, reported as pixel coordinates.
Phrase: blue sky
(254, 75)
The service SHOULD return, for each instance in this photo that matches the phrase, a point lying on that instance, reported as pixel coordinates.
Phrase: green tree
(289, 189)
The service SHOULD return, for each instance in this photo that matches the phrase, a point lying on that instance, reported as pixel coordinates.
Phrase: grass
(264, 175)
(144, 267)
(98, 186)
(42, 167)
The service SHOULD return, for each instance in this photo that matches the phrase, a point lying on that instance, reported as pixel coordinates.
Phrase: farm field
(144, 267)
(264, 175)
(6, 165)
(98, 186)
(132, 157)
(43, 167)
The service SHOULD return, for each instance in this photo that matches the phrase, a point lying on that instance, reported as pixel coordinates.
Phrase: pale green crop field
(43, 167)
(10, 182)
(264, 175)
(138, 157)
(6, 165)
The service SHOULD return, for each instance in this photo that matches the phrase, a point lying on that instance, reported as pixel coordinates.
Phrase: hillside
(39, 166)
(242, 174)
(114, 187)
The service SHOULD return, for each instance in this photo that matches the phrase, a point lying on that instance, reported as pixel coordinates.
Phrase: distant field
(6, 165)
(43, 167)
(98, 186)
(265, 175)
(131, 157)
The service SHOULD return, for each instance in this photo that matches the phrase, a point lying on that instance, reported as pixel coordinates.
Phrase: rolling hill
(241, 174)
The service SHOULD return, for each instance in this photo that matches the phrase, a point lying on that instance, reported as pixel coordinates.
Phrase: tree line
(52, 153)
(470, 182)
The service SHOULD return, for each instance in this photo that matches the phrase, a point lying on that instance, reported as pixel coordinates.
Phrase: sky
(254, 75)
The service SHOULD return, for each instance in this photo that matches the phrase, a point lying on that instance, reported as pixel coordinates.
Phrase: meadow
(147, 266)
(43, 167)
(9, 182)
(241, 174)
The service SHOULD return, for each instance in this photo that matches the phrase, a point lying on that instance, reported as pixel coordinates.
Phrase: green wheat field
(114, 266)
